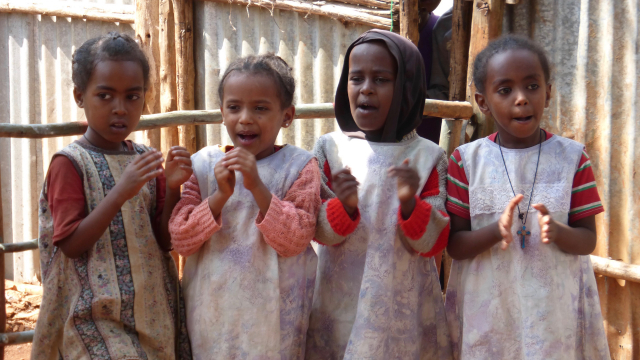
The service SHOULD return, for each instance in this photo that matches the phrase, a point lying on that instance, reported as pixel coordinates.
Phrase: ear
(548, 96)
(79, 97)
(287, 117)
(482, 104)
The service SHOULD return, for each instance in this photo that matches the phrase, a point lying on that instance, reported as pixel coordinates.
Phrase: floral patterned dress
(121, 299)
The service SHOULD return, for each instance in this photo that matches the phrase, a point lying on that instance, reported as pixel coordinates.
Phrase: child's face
(252, 112)
(372, 78)
(113, 101)
(516, 94)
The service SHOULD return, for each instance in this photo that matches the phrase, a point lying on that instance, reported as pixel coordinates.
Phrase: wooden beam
(185, 68)
(380, 4)
(460, 36)
(438, 108)
(148, 37)
(486, 25)
(615, 269)
(341, 12)
(409, 20)
(76, 10)
(168, 95)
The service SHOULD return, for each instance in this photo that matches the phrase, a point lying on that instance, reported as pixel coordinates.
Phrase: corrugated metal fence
(593, 44)
(595, 48)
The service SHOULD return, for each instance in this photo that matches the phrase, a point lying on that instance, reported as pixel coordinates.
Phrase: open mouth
(367, 107)
(247, 137)
(524, 118)
(118, 126)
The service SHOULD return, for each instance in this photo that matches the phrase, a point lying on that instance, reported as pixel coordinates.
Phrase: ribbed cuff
(416, 225)
(340, 221)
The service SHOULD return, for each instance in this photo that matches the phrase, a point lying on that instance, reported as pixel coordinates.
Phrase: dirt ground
(22, 305)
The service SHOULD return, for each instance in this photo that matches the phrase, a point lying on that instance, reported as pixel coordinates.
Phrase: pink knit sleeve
(290, 223)
(192, 222)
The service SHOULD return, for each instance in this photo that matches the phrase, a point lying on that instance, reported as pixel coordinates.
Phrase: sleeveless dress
(121, 299)
(243, 299)
(375, 298)
(533, 303)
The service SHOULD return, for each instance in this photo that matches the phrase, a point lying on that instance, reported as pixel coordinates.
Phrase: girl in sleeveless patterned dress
(522, 203)
(383, 217)
(111, 288)
(245, 223)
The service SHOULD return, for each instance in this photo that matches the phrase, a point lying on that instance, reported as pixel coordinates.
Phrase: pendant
(524, 232)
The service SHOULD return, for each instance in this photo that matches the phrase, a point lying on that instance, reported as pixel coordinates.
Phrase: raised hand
(506, 220)
(548, 226)
(408, 181)
(242, 160)
(226, 179)
(345, 186)
(177, 167)
(142, 169)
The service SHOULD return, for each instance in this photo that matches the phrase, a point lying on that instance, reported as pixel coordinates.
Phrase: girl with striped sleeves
(522, 204)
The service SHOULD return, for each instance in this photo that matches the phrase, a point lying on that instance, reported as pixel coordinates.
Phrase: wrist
(118, 196)
(349, 209)
(407, 207)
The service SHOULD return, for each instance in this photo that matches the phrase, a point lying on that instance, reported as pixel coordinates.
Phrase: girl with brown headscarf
(377, 291)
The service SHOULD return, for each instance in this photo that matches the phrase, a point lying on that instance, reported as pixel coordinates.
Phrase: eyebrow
(378, 70)
(259, 101)
(105, 87)
(504, 80)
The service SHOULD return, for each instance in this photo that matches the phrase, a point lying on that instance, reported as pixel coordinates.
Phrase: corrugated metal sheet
(595, 48)
(313, 46)
(35, 67)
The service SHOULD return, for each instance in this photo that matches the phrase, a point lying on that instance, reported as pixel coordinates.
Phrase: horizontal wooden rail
(17, 338)
(77, 10)
(443, 109)
(615, 269)
(18, 247)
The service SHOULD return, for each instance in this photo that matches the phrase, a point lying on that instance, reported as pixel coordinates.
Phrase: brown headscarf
(405, 113)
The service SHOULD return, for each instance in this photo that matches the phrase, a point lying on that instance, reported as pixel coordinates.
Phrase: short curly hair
(270, 65)
(112, 46)
(503, 44)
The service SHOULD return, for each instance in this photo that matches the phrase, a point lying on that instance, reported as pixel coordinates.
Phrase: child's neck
(94, 139)
(509, 141)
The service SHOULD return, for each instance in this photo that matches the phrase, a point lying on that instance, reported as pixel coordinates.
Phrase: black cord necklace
(523, 217)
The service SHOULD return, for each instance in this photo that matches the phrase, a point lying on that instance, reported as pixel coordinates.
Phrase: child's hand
(142, 169)
(345, 186)
(408, 181)
(506, 220)
(242, 160)
(548, 227)
(226, 179)
(177, 167)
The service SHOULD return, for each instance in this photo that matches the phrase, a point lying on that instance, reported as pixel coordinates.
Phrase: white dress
(376, 298)
(533, 303)
(243, 300)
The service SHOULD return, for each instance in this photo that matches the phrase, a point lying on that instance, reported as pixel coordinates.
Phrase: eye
(355, 79)
(533, 87)
(104, 96)
(504, 91)
(382, 80)
(261, 108)
(133, 97)
(233, 107)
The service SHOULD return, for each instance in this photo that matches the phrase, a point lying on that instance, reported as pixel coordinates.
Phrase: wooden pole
(3, 311)
(103, 12)
(147, 34)
(341, 12)
(486, 25)
(185, 68)
(168, 95)
(437, 108)
(409, 20)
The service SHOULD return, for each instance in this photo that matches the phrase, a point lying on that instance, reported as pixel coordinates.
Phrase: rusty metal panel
(35, 68)
(313, 46)
(595, 48)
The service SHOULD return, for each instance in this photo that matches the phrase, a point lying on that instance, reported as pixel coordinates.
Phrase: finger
(178, 148)
(151, 175)
(345, 171)
(541, 209)
(514, 202)
(148, 158)
(180, 153)
(347, 185)
(182, 160)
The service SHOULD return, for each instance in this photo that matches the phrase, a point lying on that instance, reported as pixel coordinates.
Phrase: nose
(367, 87)
(521, 99)
(119, 107)
(245, 117)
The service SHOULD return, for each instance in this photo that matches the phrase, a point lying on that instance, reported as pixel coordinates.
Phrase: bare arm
(577, 238)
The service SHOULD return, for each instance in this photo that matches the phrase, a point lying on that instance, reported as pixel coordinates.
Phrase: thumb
(405, 162)
(541, 208)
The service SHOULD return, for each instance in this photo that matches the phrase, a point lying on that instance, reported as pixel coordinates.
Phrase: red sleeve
(341, 223)
(65, 194)
(457, 187)
(585, 200)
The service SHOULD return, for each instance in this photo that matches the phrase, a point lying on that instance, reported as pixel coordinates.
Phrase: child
(246, 221)
(110, 285)
(378, 294)
(535, 298)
